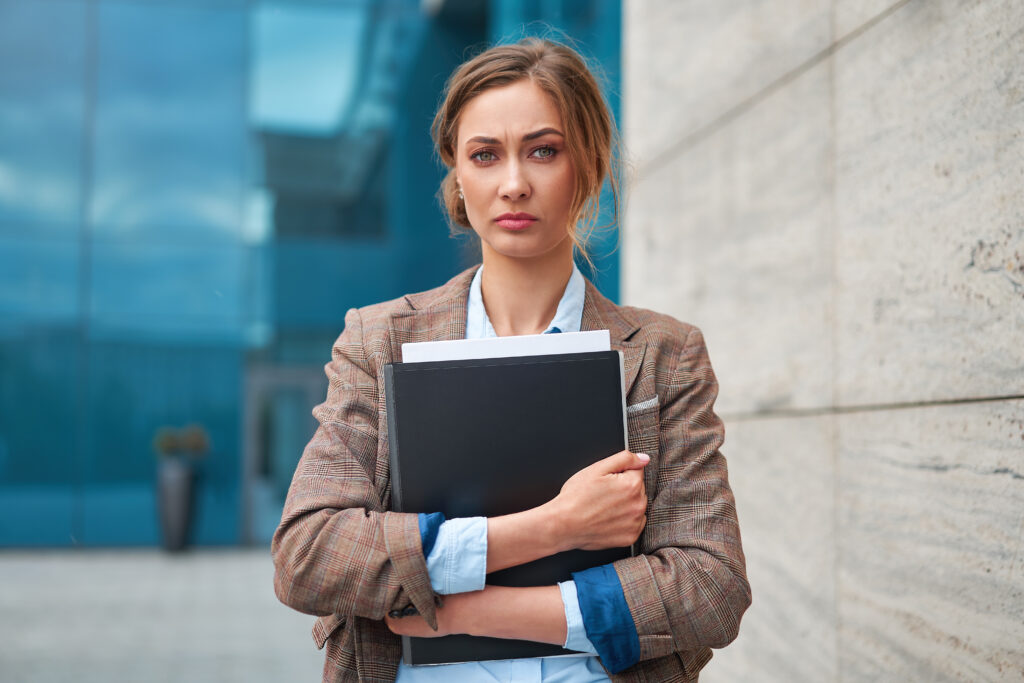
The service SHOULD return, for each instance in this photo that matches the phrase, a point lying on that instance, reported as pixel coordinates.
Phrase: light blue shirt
(457, 562)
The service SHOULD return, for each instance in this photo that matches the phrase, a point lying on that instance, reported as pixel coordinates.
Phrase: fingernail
(643, 456)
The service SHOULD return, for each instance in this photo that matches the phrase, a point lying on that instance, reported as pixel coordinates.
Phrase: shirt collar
(568, 315)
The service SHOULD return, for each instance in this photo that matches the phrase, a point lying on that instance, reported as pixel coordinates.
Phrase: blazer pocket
(642, 406)
(642, 425)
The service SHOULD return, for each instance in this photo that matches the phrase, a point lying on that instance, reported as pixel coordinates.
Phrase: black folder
(494, 436)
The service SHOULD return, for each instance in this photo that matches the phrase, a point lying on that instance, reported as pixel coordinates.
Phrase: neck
(521, 295)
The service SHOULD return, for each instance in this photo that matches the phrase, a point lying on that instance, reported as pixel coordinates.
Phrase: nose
(515, 184)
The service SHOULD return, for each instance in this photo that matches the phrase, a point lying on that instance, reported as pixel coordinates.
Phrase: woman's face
(515, 172)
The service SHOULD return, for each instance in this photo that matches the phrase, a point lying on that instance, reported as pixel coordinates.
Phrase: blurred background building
(192, 194)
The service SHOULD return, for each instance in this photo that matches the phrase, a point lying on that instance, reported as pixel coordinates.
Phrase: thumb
(622, 461)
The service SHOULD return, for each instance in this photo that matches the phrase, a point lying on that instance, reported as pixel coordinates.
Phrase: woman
(528, 141)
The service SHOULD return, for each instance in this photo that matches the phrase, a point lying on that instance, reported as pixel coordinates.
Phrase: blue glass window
(171, 142)
(38, 281)
(42, 53)
(39, 472)
(142, 289)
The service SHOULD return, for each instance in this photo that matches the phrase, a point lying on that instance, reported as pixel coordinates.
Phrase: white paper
(504, 347)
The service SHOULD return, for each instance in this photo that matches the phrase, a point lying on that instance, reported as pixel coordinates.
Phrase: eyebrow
(526, 138)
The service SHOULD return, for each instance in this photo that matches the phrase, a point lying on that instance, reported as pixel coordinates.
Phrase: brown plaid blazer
(339, 553)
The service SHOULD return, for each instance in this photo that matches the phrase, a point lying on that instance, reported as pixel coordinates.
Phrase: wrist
(534, 613)
(460, 612)
(553, 527)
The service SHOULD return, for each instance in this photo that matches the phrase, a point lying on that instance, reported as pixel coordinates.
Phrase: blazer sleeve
(337, 549)
(688, 589)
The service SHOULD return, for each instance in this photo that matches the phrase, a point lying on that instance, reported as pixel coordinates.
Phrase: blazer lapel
(440, 314)
(601, 314)
(436, 315)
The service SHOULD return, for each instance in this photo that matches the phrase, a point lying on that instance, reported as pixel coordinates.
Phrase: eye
(545, 152)
(484, 155)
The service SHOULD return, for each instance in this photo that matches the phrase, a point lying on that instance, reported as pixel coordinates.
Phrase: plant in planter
(178, 450)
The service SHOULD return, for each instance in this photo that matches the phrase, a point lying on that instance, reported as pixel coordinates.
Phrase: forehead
(509, 110)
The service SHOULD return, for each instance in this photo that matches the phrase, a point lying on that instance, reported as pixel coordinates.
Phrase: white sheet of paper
(504, 347)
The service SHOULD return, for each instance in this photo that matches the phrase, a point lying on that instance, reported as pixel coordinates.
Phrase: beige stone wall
(833, 190)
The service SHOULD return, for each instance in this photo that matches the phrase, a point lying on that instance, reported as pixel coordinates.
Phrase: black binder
(494, 436)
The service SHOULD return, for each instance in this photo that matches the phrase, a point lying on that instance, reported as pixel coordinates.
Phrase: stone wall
(833, 190)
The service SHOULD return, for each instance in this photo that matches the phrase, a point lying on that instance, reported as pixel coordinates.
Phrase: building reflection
(192, 195)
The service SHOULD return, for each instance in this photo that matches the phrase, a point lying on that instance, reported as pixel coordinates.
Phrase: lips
(516, 221)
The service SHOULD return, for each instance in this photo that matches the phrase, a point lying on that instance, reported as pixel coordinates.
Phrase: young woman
(529, 141)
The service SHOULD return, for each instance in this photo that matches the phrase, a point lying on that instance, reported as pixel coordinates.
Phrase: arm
(689, 588)
(534, 613)
(337, 549)
(600, 506)
(548, 614)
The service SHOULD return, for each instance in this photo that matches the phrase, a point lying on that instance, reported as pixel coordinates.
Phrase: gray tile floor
(147, 616)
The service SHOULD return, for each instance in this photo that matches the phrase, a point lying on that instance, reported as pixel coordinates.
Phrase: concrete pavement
(149, 617)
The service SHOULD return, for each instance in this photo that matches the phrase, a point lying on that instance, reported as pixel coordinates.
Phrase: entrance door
(278, 424)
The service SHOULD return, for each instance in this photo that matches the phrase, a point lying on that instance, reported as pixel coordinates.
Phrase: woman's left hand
(416, 626)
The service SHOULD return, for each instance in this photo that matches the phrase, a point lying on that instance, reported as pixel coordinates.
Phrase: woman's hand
(604, 505)
(416, 626)
(450, 619)
(601, 506)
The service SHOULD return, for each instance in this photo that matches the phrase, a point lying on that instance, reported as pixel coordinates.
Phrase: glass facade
(192, 194)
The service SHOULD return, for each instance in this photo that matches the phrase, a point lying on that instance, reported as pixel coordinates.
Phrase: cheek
(474, 199)
(566, 184)
(471, 197)
(482, 183)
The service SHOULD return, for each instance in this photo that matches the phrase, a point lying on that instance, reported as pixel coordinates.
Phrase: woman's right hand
(603, 505)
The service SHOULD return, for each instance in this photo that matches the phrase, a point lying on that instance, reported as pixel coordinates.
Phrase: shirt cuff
(575, 635)
(457, 558)
(606, 617)
(429, 526)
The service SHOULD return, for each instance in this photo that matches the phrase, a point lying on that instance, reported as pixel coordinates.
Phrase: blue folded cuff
(606, 617)
(456, 552)
(429, 526)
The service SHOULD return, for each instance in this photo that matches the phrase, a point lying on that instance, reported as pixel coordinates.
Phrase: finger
(622, 461)
(636, 478)
(640, 461)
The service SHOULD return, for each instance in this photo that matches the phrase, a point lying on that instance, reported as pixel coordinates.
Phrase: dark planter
(176, 481)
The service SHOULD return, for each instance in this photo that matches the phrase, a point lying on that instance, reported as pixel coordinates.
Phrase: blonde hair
(592, 139)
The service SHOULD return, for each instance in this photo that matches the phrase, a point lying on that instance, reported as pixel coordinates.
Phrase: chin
(523, 246)
(521, 249)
